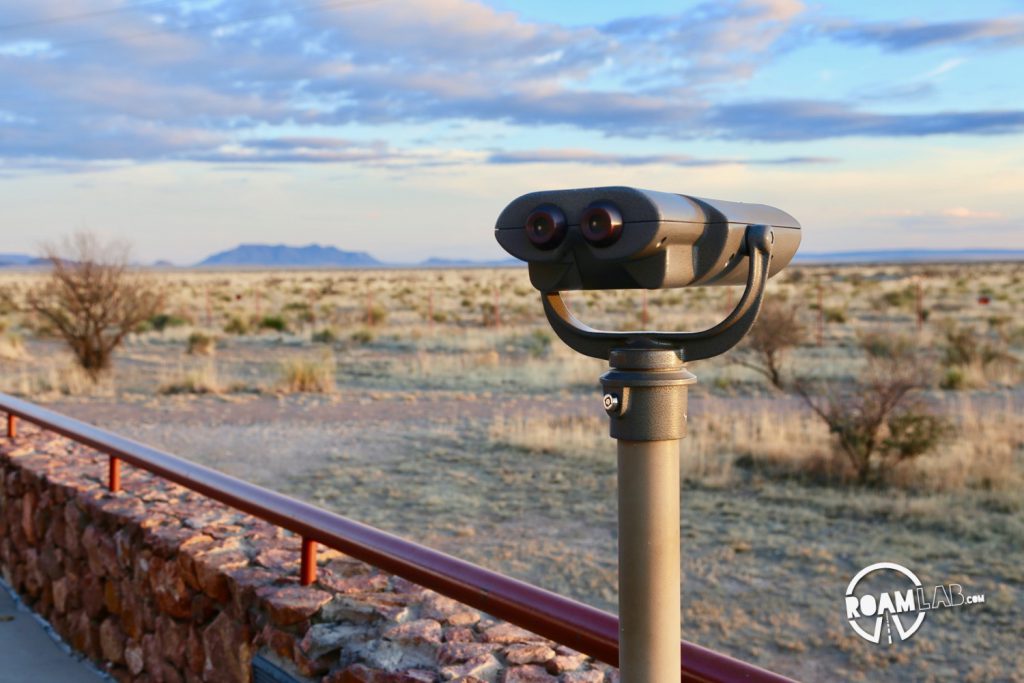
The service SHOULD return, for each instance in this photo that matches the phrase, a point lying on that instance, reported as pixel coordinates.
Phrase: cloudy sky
(402, 127)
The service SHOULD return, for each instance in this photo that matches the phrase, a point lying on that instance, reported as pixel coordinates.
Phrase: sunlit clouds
(326, 109)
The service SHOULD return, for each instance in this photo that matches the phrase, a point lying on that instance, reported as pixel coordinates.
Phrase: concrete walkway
(29, 655)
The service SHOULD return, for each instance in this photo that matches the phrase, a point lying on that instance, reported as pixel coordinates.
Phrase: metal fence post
(114, 474)
(307, 571)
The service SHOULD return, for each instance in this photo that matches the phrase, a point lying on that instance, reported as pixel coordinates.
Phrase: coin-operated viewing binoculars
(624, 238)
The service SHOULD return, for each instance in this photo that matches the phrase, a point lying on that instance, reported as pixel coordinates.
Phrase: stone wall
(158, 584)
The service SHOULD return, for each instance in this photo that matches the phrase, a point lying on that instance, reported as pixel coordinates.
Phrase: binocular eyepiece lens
(545, 227)
(601, 224)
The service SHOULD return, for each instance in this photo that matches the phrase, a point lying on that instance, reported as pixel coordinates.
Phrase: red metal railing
(553, 616)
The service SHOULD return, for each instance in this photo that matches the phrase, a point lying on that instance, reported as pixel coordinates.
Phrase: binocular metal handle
(691, 345)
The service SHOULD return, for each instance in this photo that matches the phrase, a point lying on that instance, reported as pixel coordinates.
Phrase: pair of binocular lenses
(600, 223)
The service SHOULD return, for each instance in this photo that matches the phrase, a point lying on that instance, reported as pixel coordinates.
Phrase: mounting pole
(645, 396)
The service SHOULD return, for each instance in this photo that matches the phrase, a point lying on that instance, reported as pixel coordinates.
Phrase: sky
(403, 127)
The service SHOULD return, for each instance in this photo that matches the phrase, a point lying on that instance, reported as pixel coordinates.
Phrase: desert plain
(437, 404)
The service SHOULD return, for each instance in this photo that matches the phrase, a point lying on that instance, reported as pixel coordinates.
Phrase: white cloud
(196, 79)
(972, 214)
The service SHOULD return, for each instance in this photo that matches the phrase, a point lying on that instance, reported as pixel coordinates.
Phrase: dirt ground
(765, 563)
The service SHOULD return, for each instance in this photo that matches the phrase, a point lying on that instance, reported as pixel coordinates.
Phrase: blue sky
(402, 127)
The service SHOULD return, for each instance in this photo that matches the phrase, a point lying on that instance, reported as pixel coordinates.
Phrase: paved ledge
(29, 654)
(157, 584)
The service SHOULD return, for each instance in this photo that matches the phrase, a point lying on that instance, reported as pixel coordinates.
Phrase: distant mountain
(467, 263)
(911, 256)
(16, 259)
(312, 255)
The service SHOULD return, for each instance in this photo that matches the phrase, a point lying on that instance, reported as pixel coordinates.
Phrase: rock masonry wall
(158, 584)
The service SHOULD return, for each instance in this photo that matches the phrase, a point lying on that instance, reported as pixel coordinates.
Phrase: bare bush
(776, 331)
(93, 299)
(879, 422)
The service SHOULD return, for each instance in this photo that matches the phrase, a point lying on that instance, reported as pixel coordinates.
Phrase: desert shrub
(306, 375)
(912, 432)
(879, 422)
(899, 298)
(274, 322)
(8, 302)
(776, 331)
(834, 315)
(162, 321)
(375, 315)
(303, 311)
(363, 336)
(953, 379)
(1015, 336)
(875, 428)
(237, 325)
(538, 343)
(972, 359)
(998, 322)
(491, 314)
(886, 345)
(92, 299)
(324, 336)
(960, 345)
(964, 346)
(200, 344)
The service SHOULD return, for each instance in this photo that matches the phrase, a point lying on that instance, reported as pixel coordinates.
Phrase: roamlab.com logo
(901, 610)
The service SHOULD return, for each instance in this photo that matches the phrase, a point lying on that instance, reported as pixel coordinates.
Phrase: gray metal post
(645, 397)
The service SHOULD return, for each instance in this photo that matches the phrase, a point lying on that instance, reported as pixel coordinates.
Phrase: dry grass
(986, 453)
(573, 436)
(435, 330)
(58, 379)
(201, 380)
(11, 347)
(482, 366)
(308, 375)
(453, 304)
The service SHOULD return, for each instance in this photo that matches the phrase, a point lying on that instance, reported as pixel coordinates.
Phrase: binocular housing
(625, 238)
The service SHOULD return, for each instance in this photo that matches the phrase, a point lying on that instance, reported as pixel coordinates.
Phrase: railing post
(307, 573)
(12, 426)
(114, 475)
